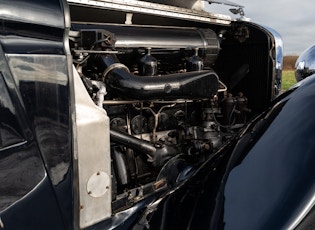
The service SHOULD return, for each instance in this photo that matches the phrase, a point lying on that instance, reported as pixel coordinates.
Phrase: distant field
(288, 79)
(289, 62)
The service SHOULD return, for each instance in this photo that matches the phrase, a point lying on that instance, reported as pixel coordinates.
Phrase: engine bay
(169, 109)
(113, 108)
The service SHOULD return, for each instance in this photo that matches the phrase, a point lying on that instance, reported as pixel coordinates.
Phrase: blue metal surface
(36, 191)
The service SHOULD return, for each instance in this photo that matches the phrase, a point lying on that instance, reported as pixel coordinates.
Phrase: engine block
(162, 96)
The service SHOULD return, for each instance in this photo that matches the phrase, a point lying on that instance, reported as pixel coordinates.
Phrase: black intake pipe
(191, 85)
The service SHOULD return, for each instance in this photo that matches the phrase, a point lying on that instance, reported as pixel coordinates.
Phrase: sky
(294, 20)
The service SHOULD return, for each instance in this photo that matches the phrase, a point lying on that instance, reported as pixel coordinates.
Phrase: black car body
(131, 114)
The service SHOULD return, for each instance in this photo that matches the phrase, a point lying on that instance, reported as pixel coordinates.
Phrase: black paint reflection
(43, 84)
(42, 80)
(21, 170)
(275, 181)
(10, 131)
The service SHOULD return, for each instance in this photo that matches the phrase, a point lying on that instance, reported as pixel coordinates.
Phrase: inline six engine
(168, 108)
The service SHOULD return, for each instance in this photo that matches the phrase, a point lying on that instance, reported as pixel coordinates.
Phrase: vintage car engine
(145, 114)
(162, 96)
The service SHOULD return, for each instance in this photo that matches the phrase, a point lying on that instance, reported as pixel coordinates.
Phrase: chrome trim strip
(135, 6)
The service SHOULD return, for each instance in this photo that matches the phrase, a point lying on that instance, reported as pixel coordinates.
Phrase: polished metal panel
(92, 155)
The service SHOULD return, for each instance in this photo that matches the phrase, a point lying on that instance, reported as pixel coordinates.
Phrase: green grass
(288, 79)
